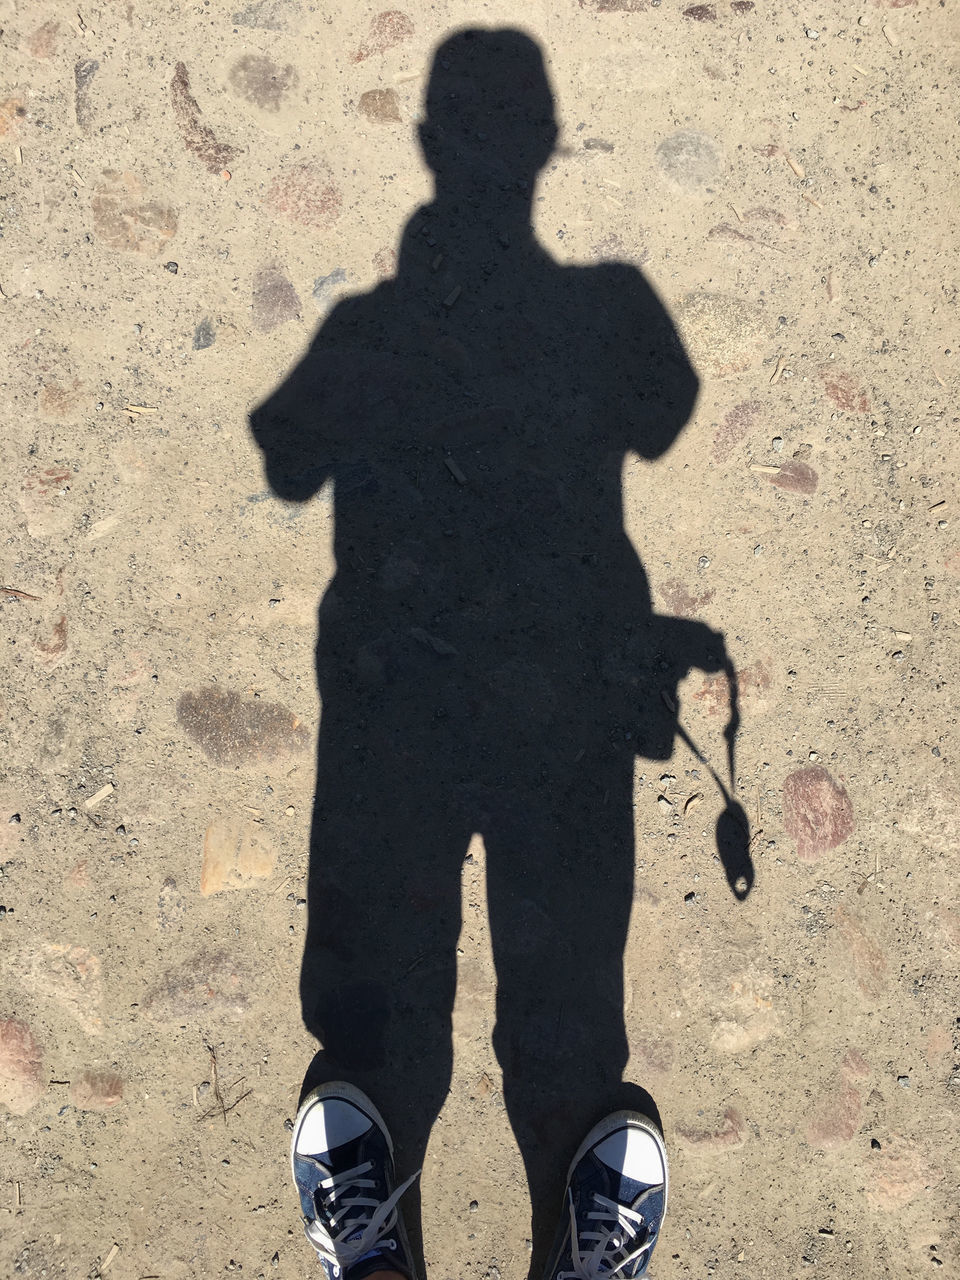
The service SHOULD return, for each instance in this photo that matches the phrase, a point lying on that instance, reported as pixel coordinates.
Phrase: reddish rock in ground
(78, 877)
(125, 217)
(753, 682)
(44, 495)
(43, 43)
(732, 1133)
(795, 476)
(208, 984)
(306, 194)
(12, 112)
(844, 389)
(380, 104)
(51, 642)
(855, 1065)
(96, 1090)
(898, 1173)
(737, 424)
(654, 1051)
(387, 29)
(681, 601)
(385, 263)
(836, 1116)
(48, 481)
(866, 956)
(61, 401)
(274, 299)
(232, 730)
(21, 1066)
(197, 136)
(817, 812)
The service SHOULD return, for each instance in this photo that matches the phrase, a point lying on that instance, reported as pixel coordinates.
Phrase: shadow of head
(490, 110)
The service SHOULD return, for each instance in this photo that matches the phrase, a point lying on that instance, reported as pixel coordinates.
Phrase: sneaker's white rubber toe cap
(328, 1124)
(635, 1153)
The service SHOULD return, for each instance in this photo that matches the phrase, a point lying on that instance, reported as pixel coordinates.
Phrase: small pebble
(703, 562)
(903, 1082)
(172, 267)
(204, 335)
(777, 444)
(811, 34)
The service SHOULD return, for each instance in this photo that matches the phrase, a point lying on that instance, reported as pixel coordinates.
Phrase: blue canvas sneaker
(342, 1159)
(615, 1202)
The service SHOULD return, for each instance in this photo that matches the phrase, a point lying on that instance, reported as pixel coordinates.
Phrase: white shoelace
(612, 1253)
(341, 1249)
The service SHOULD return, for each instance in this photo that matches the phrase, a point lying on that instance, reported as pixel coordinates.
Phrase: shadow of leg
(559, 889)
(379, 968)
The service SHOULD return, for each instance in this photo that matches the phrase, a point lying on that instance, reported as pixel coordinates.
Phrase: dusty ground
(802, 1045)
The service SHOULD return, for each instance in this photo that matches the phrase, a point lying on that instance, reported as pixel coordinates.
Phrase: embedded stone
(690, 160)
(387, 29)
(817, 812)
(274, 301)
(234, 854)
(207, 984)
(96, 1090)
(307, 194)
(724, 334)
(263, 83)
(380, 104)
(126, 218)
(232, 730)
(21, 1066)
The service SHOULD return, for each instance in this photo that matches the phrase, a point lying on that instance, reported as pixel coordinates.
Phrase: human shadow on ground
(488, 657)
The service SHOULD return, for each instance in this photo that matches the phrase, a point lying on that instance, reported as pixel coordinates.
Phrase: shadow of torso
(474, 414)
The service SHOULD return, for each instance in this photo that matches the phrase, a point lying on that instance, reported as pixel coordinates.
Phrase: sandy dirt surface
(185, 192)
